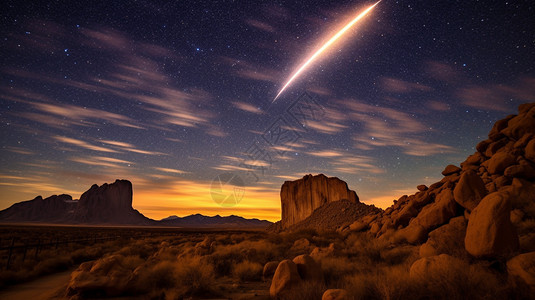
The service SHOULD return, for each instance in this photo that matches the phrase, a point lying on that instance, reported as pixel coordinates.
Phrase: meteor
(323, 48)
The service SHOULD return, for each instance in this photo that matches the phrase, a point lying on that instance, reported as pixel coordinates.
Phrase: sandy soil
(48, 287)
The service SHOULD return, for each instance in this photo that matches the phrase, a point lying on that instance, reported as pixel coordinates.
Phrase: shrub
(305, 290)
(248, 271)
(195, 277)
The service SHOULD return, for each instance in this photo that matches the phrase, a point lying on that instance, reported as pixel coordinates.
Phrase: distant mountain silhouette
(198, 220)
(108, 204)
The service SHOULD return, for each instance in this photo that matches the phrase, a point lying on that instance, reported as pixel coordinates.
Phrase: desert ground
(166, 263)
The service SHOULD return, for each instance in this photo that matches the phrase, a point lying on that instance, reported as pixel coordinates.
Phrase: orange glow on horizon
(190, 197)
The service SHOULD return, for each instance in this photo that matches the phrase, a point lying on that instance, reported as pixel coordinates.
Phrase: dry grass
(456, 281)
(306, 290)
(248, 271)
(168, 267)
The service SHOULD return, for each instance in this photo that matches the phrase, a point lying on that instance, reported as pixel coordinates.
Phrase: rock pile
(332, 215)
(484, 209)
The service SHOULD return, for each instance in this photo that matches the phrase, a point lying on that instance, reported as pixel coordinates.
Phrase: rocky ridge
(483, 210)
(482, 213)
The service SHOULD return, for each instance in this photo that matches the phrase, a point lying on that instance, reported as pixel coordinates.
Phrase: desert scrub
(454, 281)
(336, 268)
(305, 290)
(195, 277)
(248, 271)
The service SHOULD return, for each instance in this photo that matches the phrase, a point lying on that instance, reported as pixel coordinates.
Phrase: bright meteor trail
(323, 48)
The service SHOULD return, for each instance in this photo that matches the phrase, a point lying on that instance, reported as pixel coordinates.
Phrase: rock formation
(110, 204)
(301, 197)
(49, 210)
(485, 208)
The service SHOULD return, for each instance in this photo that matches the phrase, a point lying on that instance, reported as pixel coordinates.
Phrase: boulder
(469, 190)
(451, 169)
(522, 195)
(412, 234)
(499, 162)
(522, 124)
(490, 233)
(319, 253)
(520, 171)
(335, 294)
(301, 197)
(422, 187)
(495, 132)
(301, 245)
(522, 267)
(403, 217)
(437, 213)
(308, 268)
(285, 277)
(269, 269)
(447, 239)
(433, 266)
(529, 152)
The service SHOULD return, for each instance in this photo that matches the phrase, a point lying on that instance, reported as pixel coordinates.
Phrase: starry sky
(178, 95)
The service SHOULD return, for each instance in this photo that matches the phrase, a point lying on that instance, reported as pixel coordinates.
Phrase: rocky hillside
(484, 208)
(49, 210)
(332, 215)
(301, 197)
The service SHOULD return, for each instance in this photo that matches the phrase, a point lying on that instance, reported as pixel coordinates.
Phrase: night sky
(172, 94)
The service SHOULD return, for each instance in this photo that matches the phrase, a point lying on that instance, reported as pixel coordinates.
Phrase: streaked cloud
(260, 25)
(82, 144)
(400, 86)
(325, 153)
(247, 107)
(168, 170)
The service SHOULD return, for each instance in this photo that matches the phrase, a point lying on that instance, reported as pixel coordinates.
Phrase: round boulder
(270, 268)
(470, 190)
(522, 267)
(308, 268)
(285, 277)
(335, 294)
(490, 232)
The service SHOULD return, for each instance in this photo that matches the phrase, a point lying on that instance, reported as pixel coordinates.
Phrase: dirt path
(42, 288)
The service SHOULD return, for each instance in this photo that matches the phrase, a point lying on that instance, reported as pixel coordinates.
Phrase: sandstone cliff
(301, 197)
(108, 202)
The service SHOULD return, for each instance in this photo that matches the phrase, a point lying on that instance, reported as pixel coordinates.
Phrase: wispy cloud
(247, 107)
(82, 144)
(129, 147)
(260, 25)
(388, 127)
(400, 86)
(168, 170)
(248, 70)
(101, 161)
(497, 97)
(325, 153)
